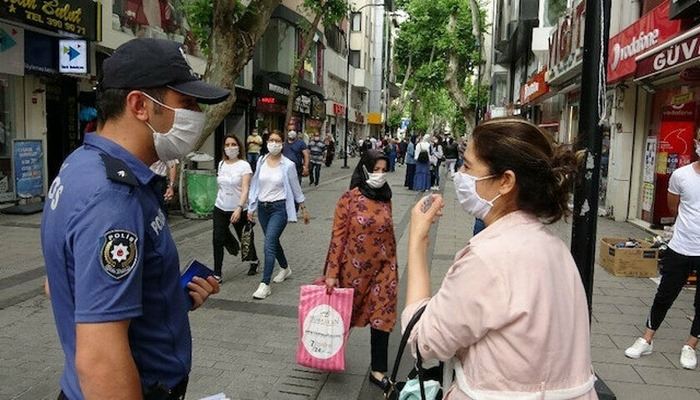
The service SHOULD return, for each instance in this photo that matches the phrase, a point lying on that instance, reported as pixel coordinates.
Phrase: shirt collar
(140, 170)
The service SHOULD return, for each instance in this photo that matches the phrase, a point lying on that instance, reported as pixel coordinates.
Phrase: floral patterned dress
(362, 256)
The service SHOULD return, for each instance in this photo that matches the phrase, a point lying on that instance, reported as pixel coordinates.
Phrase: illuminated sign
(267, 100)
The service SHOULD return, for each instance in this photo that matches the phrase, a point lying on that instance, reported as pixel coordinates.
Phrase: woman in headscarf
(362, 256)
(421, 181)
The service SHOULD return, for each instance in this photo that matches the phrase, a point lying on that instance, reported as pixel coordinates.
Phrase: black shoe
(383, 384)
(253, 268)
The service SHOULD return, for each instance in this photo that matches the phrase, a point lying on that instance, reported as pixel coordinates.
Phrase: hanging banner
(28, 156)
(650, 30)
(11, 50)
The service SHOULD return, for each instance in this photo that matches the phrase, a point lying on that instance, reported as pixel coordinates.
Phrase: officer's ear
(136, 104)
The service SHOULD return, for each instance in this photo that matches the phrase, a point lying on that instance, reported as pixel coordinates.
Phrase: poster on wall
(28, 156)
(11, 49)
(650, 160)
(647, 196)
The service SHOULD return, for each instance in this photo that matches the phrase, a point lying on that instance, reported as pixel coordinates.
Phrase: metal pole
(347, 101)
(590, 138)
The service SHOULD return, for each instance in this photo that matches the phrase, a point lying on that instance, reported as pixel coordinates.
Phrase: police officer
(111, 262)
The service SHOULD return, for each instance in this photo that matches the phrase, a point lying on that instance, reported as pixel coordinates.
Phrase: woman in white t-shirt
(233, 179)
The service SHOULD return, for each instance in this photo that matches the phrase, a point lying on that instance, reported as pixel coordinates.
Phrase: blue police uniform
(110, 257)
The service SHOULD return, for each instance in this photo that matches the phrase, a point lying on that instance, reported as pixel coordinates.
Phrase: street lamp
(347, 78)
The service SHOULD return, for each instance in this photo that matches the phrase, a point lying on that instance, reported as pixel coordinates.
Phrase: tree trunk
(299, 65)
(453, 85)
(231, 47)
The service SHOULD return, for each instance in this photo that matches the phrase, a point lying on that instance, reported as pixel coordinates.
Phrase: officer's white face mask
(465, 189)
(179, 140)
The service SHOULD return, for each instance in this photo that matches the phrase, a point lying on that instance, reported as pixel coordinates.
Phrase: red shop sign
(534, 88)
(338, 109)
(651, 30)
(667, 57)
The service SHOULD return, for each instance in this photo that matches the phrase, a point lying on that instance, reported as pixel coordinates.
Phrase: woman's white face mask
(465, 189)
(179, 140)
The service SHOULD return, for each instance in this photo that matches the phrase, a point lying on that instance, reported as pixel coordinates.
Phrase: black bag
(423, 157)
(230, 243)
(434, 373)
(247, 239)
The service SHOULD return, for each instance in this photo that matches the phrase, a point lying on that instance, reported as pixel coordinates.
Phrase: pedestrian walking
(254, 143)
(403, 147)
(421, 181)
(391, 152)
(317, 151)
(231, 206)
(362, 256)
(410, 163)
(330, 149)
(297, 151)
(511, 315)
(273, 194)
(682, 257)
(451, 155)
(436, 158)
(112, 265)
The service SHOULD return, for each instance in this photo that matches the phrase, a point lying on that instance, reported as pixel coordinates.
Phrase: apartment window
(356, 22)
(355, 58)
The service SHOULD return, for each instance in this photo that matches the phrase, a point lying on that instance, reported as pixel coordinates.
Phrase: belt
(269, 203)
(158, 391)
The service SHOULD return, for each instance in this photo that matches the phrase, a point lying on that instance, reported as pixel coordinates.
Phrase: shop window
(276, 48)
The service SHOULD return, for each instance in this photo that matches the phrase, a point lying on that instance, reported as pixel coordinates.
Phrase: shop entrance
(62, 126)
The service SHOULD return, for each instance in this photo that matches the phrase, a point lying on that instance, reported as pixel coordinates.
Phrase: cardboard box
(622, 261)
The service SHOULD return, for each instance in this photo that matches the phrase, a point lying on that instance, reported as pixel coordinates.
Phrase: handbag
(324, 326)
(247, 239)
(230, 243)
(421, 384)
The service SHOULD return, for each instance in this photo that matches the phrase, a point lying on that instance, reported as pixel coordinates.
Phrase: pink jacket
(512, 312)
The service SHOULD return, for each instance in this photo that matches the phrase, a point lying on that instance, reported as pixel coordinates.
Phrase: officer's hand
(201, 289)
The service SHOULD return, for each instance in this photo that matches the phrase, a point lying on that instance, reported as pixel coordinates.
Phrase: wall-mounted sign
(11, 50)
(79, 17)
(72, 56)
(338, 109)
(278, 89)
(679, 53)
(534, 88)
(566, 46)
(650, 30)
(267, 100)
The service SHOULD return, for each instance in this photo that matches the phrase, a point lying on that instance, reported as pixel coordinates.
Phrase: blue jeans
(253, 159)
(315, 173)
(273, 220)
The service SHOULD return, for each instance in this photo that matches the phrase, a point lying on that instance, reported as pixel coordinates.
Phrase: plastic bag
(324, 325)
(201, 192)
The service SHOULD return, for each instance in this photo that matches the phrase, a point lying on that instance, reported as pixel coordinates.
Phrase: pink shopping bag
(324, 325)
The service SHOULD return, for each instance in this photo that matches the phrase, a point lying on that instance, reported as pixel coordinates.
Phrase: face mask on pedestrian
(274, 148)
(317, 138)
(465, 189)
(697, 148)
(232, 152)
(375, 180)
(179, 140)
(292, 134)
(255, 133)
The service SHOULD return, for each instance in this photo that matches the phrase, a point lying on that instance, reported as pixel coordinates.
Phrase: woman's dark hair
(544, 172)
(276, 132)
(241, 147)
(368, 161)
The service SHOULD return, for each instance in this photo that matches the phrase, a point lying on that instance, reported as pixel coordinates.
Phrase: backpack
(423, 157)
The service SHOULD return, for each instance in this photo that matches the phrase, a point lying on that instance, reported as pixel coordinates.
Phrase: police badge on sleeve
(119, 253)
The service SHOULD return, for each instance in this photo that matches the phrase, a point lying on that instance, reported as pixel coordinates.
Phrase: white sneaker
(282, 275)
(688, 358)
(639, 348)
(262, 292)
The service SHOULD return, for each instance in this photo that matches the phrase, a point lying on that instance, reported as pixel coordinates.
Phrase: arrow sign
(6, 41)
(72, 53)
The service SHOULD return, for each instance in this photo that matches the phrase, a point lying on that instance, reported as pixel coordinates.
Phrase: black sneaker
(253, 268)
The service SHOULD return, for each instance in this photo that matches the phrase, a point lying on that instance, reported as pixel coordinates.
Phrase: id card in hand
(195, 268)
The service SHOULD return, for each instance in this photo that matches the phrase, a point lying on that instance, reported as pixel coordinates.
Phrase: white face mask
(274, 148)
(179, 140)
(232, 152)
(292, 134)
(375, 180)
(465, 188)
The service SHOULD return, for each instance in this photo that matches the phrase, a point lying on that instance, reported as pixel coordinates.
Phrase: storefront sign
(676, 54)
(682, 99)
(566, 44)
(338, 109)
(534, 88)
(72, 56)
(28, 157)
(650, 30)
(374, 118)
(278, 89)
(11, 50)
(79, 17)
(267, 100)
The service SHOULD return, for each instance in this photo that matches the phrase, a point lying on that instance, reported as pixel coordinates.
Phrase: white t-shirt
(685, 182)
(271, 183)
(161, 168)
(230, 182)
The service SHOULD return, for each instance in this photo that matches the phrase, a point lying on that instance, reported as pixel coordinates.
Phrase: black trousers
(674, 276)
(379, 344)
(221, 220)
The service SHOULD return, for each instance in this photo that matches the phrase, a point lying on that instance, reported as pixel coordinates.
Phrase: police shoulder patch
(119, 253)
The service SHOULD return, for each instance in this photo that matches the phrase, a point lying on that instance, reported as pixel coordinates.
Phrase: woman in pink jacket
(511, 315)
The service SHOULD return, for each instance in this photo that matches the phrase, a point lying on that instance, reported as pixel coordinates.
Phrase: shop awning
(674, 55)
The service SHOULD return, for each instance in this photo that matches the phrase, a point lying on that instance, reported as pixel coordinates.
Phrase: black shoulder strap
(118, 171)
(404, 341)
